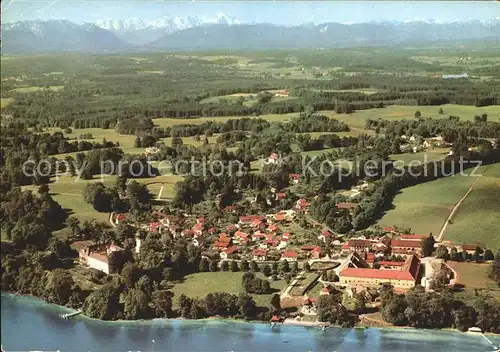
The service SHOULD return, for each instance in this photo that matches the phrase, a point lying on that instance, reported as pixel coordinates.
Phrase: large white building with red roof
(404, 276)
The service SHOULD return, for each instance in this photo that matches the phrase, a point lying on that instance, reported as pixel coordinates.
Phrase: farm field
(478, 217)
(5, 101)
(425, 207)
(400, 112)
(36, 89)
(250, 99)
(199, 285)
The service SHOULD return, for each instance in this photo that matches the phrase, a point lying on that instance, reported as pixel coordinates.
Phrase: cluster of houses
(260, 238)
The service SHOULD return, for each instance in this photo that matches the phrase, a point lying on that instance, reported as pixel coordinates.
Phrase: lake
(29, 324)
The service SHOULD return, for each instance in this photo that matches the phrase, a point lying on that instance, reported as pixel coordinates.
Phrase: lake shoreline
(219, 319)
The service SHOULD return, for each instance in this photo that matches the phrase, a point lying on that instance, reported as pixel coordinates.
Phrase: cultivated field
(5, 101)
(478, 217)
(36, 89)
(425, 207)
(400, 112)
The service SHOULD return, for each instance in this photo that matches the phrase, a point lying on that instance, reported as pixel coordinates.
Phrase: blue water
(29, 324)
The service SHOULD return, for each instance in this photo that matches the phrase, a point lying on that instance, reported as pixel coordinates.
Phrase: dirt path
(455, 208)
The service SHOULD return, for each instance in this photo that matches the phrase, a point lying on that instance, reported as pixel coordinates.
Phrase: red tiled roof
(231, 250)
(221, 244)
(405, 244)
(274, 156)
(287, 234)
(289, 254)
(279, 217)
(317, 249)
(294, 176)
(273, 228)
(224, 238)
(325, 289)
(258, 234)
(377, 274)
(241, 234)
(120, 217)
(202, 220)
(275, 318)
(469, 247)
(307, 248)
(187, 233)
(250, 218)
(409, 272)
(281, 195)
(198, 226)
(326, 233)
(154, 225)
(260, 252)
(231, 227)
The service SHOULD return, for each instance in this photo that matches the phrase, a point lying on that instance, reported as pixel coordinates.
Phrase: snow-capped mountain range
(226, 32)
(137, 31)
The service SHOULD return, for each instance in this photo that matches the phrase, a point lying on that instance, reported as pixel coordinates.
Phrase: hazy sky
(279, 12)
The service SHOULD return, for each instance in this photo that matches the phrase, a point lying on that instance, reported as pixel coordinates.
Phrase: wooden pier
(69, 315)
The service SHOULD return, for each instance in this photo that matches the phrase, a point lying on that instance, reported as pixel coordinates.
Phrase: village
(325, 263)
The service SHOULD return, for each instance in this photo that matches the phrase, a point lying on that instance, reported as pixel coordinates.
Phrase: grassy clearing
(168, 182)
(425, 207)
(5, 101)
(473, 275)
(199, 285)
(422, 157)
(399, 112)
(36, 89)
(68, 191)
(367, 91)
(249, 98)
(477, 218)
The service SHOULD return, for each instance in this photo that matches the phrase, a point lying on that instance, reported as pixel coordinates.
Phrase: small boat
(475, 329)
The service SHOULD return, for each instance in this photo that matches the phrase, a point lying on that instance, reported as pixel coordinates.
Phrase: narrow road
(160, 192)
(111, 219)
(455, 208)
